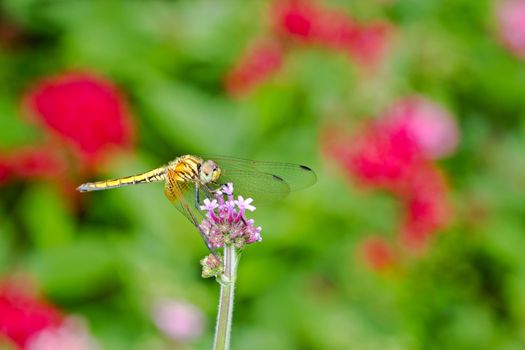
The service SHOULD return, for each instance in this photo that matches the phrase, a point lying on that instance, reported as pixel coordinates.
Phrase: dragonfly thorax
(209, 172)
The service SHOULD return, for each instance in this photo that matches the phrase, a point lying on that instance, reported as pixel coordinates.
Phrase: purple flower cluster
(225, 222)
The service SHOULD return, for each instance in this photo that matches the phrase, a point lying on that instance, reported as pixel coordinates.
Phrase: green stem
(224, 315)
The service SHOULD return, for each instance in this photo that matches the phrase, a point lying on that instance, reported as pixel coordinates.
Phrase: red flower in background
(368, 44)
(298, 19)
(86, 117)
(511, 24)
(261, 59)
(306, 23)
(394, 150)
(378, 156)
(5, 171)
(394, 154)
(377, 253)
(427, 123)
(85, 111)
(311, 23)
(37, 162)
(426, 207)
(31, 323)
(22, 315)
(31, 162)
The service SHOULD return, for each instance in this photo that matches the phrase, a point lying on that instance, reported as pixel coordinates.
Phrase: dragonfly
(189, 179)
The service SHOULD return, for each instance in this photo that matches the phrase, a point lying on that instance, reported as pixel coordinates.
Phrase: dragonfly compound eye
(209, 171)
(216, 174)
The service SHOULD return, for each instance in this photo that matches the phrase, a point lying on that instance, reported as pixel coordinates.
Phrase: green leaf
(46, 217)
(83, 269)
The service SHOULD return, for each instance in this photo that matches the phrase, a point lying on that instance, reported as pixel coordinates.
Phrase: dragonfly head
(209, 171)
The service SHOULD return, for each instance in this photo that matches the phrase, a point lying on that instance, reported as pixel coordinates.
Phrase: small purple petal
(245, 203)
(216, 219)
(225, 222)
(209, 205)
(228, 189)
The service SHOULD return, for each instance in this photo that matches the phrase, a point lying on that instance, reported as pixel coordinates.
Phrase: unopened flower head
(211, 266)
(225, 221)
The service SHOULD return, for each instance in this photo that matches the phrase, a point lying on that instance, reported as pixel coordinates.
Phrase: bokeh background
(411, 112)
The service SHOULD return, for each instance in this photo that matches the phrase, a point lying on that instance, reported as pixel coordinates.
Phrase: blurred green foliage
(305, 286)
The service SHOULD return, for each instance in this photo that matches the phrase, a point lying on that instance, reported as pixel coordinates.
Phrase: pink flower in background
(430, 125)
(179, 320)
(260, 60)
(84, 110)
(369, 43)
(72, 334)
(511, 24)
(377, 253)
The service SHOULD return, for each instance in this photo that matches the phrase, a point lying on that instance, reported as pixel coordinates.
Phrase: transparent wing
(262, 187)
(182, 196)
(264, 181)
(295, 175)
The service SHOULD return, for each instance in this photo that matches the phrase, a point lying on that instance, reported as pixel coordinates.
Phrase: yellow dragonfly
(189, 178)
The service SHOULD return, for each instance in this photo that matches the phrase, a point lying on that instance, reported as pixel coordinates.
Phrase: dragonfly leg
(207, 242)
(209, 194)
(209, 191)
(203, 235)
(219, 186)
(197, 197)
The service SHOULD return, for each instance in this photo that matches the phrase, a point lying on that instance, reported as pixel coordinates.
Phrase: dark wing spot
(278, 178)
(305, 167)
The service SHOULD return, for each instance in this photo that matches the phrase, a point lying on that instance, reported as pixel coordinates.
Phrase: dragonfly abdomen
(155, 175)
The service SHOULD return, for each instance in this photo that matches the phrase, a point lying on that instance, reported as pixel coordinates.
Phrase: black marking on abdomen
(195, 172)
(192, 168)
(188, 175)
